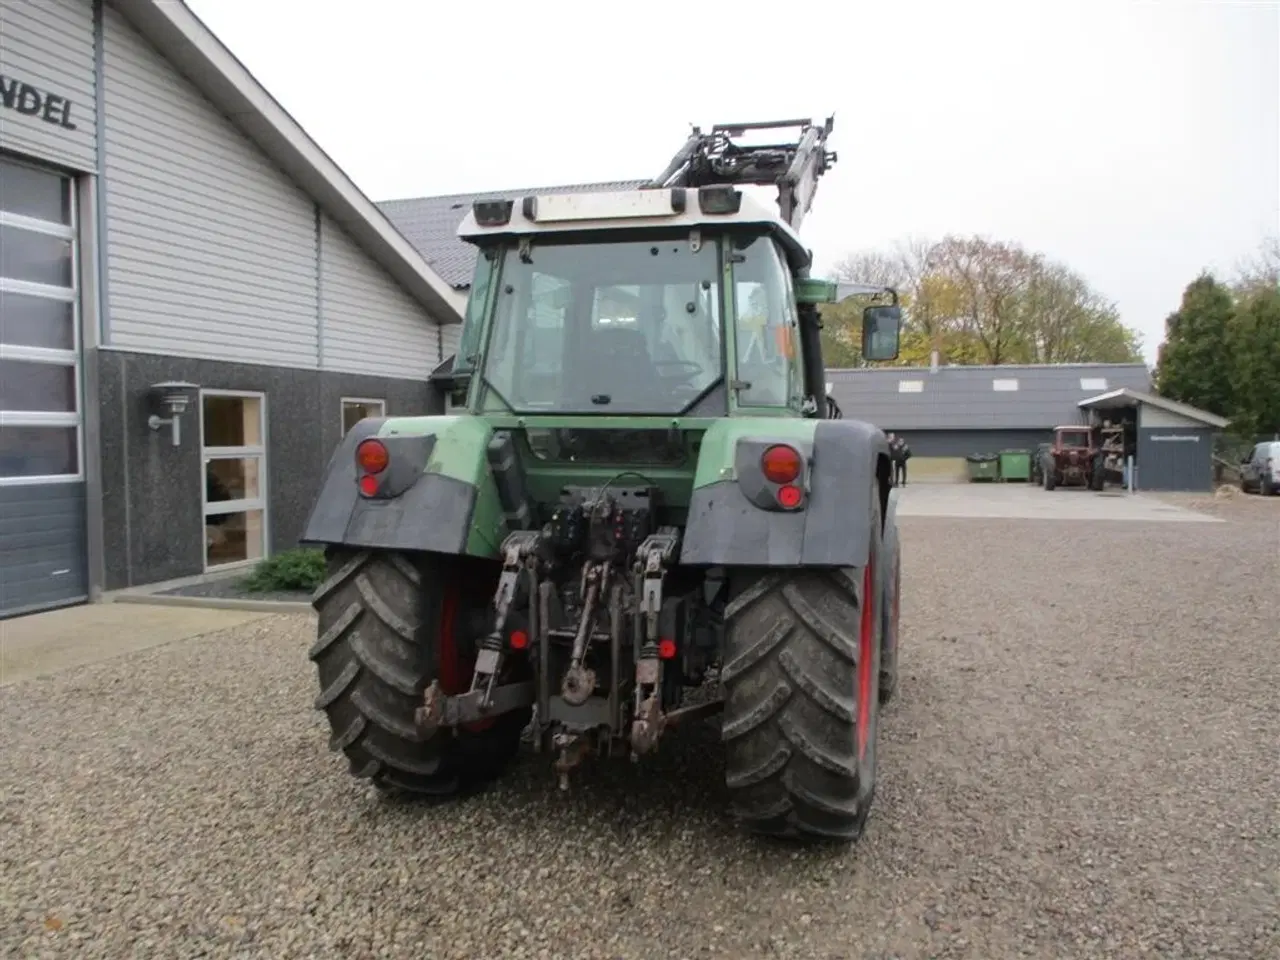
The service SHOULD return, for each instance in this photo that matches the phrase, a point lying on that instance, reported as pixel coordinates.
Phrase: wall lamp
(174, 396)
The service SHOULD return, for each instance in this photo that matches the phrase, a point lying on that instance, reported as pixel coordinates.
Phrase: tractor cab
(1074, 459)
(1073, 438)
(671, 302)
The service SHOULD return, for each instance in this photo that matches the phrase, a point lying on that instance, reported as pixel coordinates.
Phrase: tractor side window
(473, 322)
(766, 327)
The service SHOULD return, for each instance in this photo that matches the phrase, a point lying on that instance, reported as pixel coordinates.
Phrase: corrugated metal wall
(370, 324)
(1175, 458)
(451, 337)
(213, 252)
(47, 91)
(211, 249)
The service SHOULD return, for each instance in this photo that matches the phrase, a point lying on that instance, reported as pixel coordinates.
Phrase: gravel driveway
(1084, 761)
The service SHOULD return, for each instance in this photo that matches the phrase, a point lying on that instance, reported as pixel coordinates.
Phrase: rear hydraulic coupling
(579, 681)
(518, 554)
(652, 559)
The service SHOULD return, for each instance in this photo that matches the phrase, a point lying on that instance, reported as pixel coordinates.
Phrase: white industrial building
(164, 221)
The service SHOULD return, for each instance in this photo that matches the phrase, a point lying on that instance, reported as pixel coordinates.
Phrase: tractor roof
(685, 208)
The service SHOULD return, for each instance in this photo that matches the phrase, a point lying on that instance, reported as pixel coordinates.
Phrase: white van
(1260, 470)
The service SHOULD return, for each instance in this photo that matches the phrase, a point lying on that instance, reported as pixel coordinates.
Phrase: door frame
(261, 502)
(342, 408)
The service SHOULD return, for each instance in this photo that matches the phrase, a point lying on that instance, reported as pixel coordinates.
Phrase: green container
(982, 467)
(1015, 465)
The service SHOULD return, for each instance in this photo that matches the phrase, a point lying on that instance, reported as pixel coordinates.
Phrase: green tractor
(641, 506)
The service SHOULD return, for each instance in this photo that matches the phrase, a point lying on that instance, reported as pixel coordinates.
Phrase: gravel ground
(1082, 762)
(1228, 503)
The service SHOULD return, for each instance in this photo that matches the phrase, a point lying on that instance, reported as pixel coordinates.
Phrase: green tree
(977, 300)
(1195, 360)
(1254, 339)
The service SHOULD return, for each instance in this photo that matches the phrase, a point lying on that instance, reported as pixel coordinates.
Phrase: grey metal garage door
(42, 497)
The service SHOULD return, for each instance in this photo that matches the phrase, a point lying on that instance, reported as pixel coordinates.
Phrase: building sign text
(29, 101)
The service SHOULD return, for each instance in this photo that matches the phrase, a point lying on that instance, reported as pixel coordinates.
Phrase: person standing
(899, 454)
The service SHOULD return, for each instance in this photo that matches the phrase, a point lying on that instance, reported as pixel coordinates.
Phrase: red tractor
(1075, 459)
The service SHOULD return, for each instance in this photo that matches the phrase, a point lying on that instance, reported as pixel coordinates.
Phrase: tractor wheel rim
(866, 637)
(455, 673)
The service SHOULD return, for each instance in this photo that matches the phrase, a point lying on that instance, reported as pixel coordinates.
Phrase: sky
(1137, 142)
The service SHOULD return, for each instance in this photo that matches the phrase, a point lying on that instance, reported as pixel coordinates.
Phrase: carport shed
(1174, 441)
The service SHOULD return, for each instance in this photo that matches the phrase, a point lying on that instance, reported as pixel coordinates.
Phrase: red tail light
(790, 496)
(372, 456)
(780, 463)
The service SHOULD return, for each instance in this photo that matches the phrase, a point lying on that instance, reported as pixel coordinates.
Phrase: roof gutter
(195, 51)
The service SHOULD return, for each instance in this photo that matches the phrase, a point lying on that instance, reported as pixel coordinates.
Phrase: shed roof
(1124, 397)
(1003, 397)
(431, 224)
(179, 35)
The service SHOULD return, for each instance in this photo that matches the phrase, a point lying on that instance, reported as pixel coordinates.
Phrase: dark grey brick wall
(152, 520)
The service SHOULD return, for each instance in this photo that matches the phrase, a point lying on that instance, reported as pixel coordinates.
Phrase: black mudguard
(421, 511)
(890, 553)
(726, 528)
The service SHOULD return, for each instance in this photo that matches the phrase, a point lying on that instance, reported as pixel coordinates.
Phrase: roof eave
(1163, 403)
(196, 52)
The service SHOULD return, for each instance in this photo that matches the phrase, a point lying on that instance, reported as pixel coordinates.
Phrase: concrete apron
(151, 593)
(44, 643)
(1008, 501)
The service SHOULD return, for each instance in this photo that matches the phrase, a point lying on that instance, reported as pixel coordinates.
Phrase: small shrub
(301, 569)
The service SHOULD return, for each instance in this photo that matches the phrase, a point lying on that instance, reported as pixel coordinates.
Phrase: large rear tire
(390, 623)
(1098, 478)
(801, 678)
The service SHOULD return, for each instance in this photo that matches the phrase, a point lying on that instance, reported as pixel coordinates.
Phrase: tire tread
(375, 653)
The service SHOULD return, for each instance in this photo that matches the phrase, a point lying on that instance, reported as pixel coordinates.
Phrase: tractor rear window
(627, 327)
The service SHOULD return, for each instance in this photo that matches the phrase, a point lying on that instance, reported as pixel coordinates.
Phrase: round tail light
(372, 456)
(790, 496)
(780, 463)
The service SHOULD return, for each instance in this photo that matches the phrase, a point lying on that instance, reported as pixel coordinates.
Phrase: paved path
(44, 643)
(1020, 502)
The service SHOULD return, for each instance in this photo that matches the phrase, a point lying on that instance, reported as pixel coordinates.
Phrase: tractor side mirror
(881, 329)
